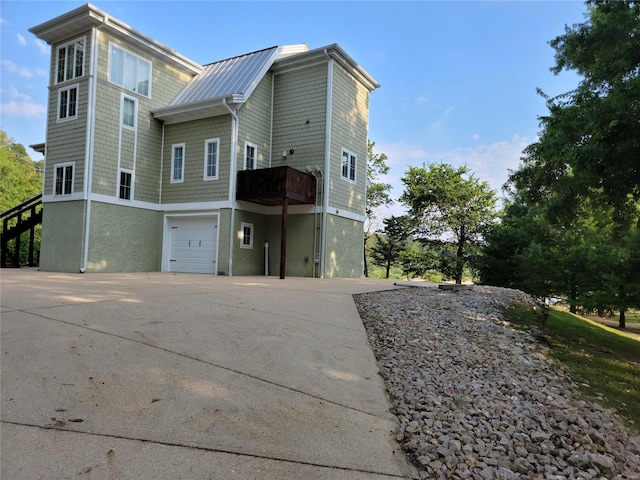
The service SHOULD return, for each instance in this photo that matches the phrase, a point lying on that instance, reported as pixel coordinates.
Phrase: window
(124, 187)
(70, 61)
(349, 165)
(129, 112)
(129, 71)
(63, 179)
(250, 156)
(211, 159)
(177, 163)
(68, 103)
(246, 237)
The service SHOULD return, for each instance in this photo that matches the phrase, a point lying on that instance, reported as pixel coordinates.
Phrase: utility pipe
(232, 180)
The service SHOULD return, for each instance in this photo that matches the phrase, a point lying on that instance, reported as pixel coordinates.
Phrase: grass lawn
(605, 362)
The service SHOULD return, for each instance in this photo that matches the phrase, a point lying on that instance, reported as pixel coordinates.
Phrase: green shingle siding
(193, 134)
(254, 118)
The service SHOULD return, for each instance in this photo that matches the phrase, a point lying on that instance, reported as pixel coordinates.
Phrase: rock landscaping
(478, 399)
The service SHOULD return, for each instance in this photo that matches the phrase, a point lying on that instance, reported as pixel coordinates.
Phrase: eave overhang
(88, 16)
(212, 107)
(322, 55)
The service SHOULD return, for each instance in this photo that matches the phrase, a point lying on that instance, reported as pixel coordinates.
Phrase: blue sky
(458, 78)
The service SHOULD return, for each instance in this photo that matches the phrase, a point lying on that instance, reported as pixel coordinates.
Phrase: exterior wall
(254, 119)
(138, 150)
(62, 236)
(66, 139)
(193, 134)
(223, 241)
(300, 96)
(344, 248)
(300, 257)
(249, 261)
(349, 130)
(124, 239)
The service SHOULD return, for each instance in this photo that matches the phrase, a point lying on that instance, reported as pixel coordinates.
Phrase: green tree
(20, 178)
(449, 204)
(386, 252)
(377, 196)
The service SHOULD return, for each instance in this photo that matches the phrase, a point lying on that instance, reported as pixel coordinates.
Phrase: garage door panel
(193, 244)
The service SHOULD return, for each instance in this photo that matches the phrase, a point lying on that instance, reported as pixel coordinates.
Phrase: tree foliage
(449, 204)
(20, 178)
(571, 228)
(391, 243)
(377, 195)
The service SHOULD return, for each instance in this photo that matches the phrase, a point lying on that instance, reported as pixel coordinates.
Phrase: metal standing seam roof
(233, 76)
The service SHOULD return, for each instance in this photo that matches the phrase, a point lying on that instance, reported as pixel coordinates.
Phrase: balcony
(271, 186)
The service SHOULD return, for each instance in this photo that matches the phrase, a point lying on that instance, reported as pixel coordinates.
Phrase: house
(156, 163)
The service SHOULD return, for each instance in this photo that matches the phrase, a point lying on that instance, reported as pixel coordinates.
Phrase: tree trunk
(460, 257)
(364, 252)
(573, 294)
(388, 268)
(623, 299)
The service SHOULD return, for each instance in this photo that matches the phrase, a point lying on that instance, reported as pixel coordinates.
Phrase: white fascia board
(83, 18)
(212, 107)
(321, 55)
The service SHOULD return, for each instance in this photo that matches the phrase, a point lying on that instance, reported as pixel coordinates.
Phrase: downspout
(232, 180)
(161, 165)
(327, 163)
(273, 79)
(88, 173)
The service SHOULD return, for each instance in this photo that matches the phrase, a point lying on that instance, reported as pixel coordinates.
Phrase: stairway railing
(15, 222)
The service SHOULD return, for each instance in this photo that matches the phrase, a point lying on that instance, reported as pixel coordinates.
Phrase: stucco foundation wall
(300, 254)
(124, 239)
(223, 241)
(249, 261)
(62, 236)
(344, 248)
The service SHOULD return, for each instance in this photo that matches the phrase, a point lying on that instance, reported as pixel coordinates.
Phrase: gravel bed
(478, 399)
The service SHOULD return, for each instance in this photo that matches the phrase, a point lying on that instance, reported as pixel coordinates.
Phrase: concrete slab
(278, 373)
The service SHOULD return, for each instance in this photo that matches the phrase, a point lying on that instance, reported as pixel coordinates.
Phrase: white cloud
(15, 94)
(24, 72)
(488, 163)
(22, 109)
(3, 22)
(422, 100)
(42, 46)
(475, 136)
(22, 40)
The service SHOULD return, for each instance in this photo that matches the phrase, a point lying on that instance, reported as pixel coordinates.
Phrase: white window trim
(68, 88)
(355, 167)
(56, 166)
(244, 225)
(255, 155)
(206, 157)
(124, 97)
(173, 159)
(83, 41)
(148, 95)
(120, 172)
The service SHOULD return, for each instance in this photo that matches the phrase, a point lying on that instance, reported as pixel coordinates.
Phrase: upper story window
(249, 156)
(125, 184)
(63, 178)
(129, 71)
(349, 161)
(177, 163)
(211, 158)
(68, 103)
(129, 112)
(70, 61)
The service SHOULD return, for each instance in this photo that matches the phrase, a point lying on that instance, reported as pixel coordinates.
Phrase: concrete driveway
(165, 376)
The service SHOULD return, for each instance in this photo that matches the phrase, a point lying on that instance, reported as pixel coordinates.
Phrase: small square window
(246, 235)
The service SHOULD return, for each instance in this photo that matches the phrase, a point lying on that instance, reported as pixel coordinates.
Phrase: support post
(283, 237)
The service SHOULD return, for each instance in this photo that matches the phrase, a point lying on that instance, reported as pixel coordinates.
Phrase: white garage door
(193, 244)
